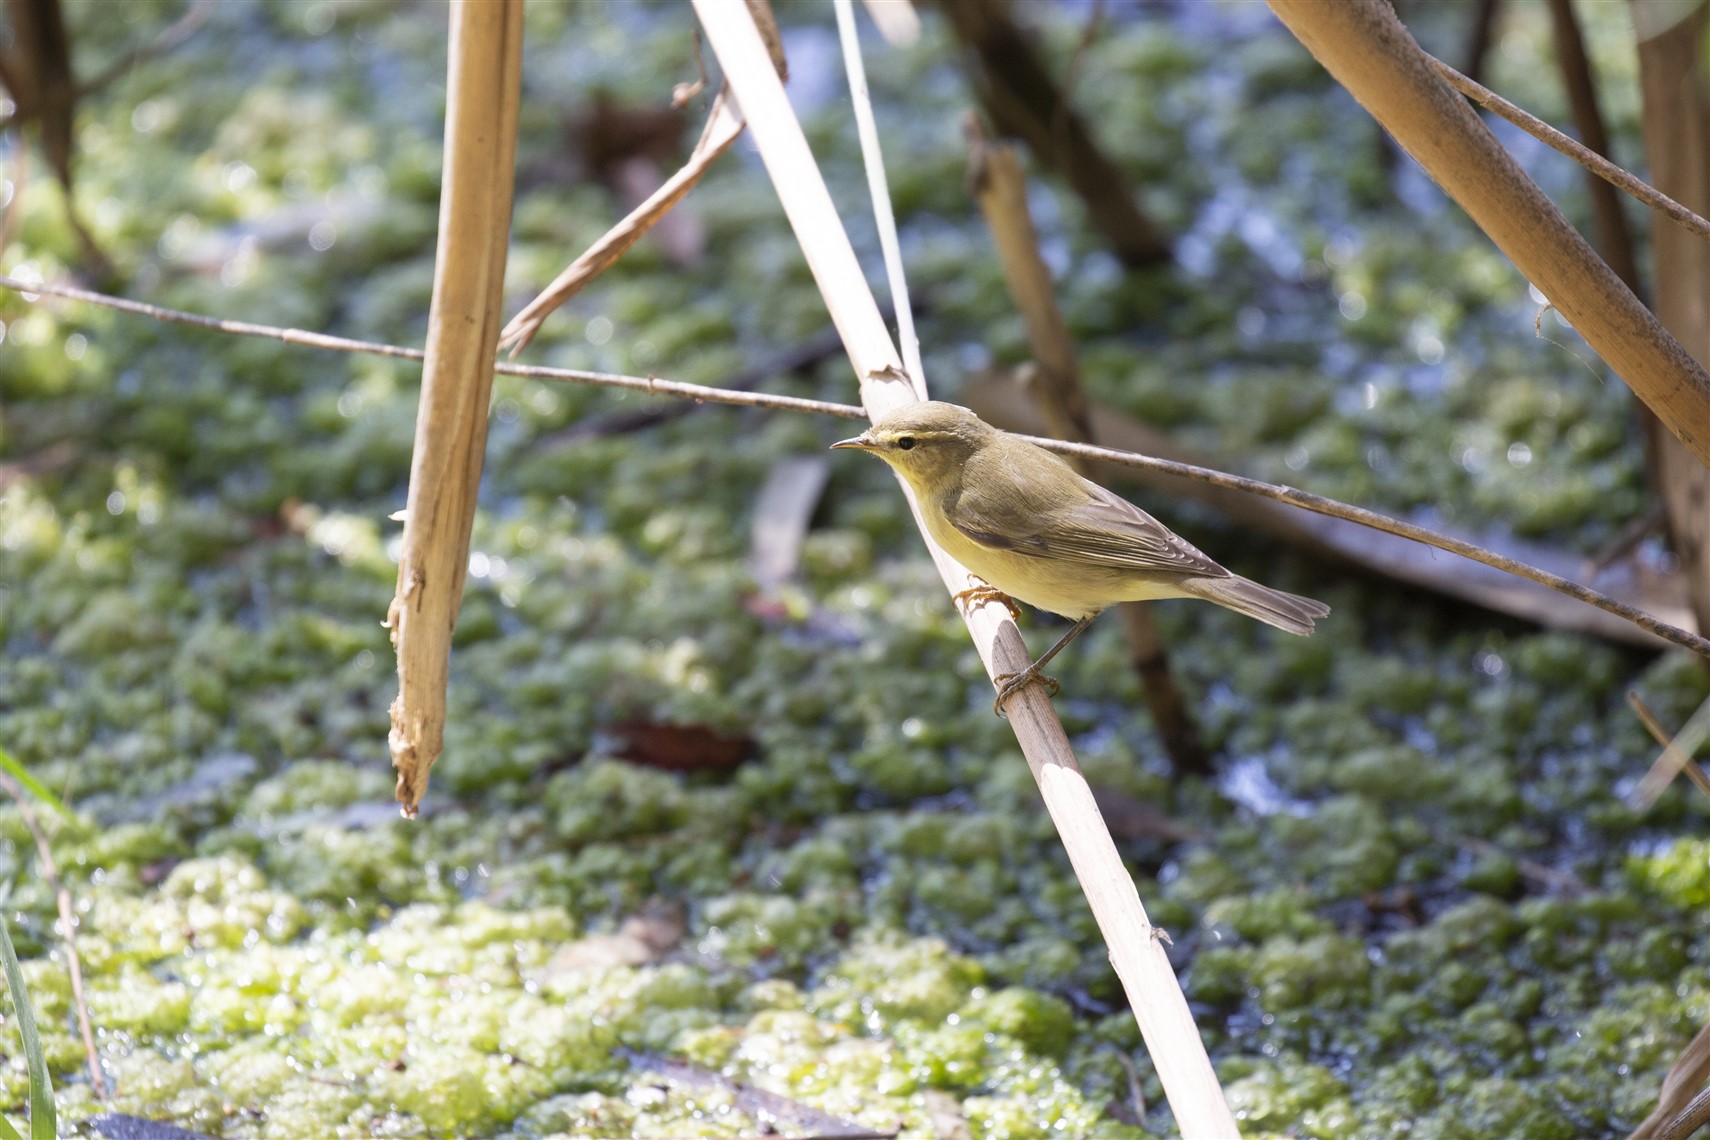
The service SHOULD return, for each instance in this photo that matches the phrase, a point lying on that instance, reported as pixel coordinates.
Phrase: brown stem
(1000, 186)
(1018, 92)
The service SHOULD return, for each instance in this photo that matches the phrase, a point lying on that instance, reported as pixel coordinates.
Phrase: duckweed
(1413, 902)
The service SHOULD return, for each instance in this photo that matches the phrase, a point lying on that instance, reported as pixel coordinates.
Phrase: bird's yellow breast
(1041, 581)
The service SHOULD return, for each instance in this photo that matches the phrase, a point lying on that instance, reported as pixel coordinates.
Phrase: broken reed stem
(702, 393)
(483, 94)
(1136, 953)
(67, 930)
(1563, 144)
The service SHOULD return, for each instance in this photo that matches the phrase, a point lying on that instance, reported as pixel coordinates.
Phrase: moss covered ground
(1415, 903)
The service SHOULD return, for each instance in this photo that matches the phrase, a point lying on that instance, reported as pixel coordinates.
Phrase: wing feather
(1068, 517)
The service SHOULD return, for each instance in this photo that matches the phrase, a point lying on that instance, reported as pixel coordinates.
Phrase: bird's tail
(1288, 612)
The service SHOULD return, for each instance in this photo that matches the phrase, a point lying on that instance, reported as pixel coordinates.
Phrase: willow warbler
(1024, 522)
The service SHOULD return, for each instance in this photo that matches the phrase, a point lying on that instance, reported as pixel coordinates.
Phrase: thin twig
(67, 929)
(1581, 154)
(650, 385)
(676, 388)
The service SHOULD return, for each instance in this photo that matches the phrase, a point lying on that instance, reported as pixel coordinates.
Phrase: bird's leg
(1009, 683)
(984, 591)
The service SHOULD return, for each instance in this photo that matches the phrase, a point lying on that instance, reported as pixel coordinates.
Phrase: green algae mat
(1413, 902)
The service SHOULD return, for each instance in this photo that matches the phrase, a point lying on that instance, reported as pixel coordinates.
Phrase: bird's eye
(906, 442)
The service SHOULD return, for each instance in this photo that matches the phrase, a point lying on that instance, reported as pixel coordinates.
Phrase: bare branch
(648, 384)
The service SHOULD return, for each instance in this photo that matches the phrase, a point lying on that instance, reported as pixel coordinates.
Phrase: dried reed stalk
(482, 96)
(1136, 950)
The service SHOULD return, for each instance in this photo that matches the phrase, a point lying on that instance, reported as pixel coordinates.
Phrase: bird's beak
(861, 442)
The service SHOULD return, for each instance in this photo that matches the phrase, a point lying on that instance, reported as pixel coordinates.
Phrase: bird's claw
(1010, 683)
(986, 592)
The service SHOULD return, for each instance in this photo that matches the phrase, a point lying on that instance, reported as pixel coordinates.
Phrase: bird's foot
(984, 591)
(1010, 683)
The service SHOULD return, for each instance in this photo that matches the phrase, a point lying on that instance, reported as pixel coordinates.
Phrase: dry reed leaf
(724, 124)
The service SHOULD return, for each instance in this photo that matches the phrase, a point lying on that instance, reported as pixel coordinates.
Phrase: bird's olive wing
(1095, 527)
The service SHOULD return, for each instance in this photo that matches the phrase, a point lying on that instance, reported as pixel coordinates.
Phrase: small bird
(1028, 526)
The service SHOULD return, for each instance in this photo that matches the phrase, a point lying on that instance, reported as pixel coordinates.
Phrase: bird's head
(928, 443)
